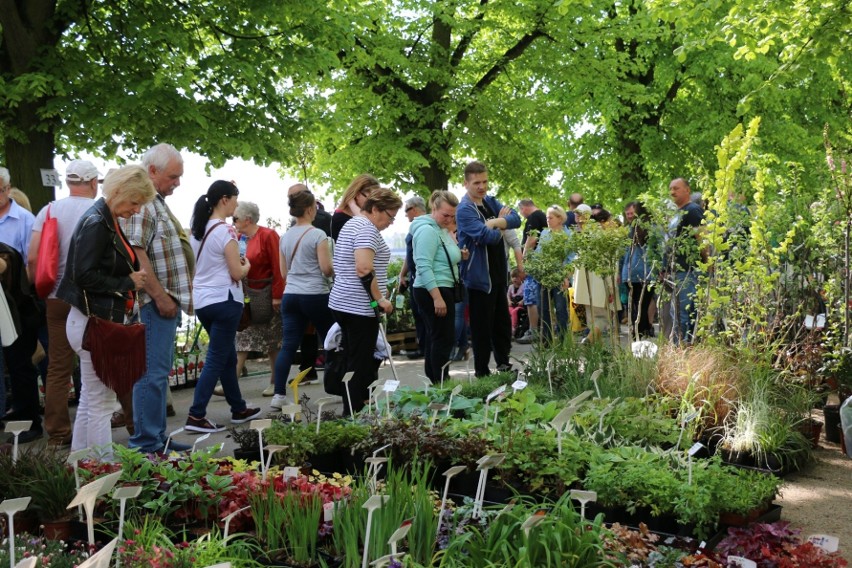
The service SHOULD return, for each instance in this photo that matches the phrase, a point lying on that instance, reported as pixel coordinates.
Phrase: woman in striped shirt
(361, 259)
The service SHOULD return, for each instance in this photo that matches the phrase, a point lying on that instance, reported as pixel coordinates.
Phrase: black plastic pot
(831, 412)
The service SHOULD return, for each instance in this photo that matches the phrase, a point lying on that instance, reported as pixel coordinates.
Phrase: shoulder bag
(118, 350)
(48, 257)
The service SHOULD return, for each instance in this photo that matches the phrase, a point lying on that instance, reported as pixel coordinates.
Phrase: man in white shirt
(82, 178)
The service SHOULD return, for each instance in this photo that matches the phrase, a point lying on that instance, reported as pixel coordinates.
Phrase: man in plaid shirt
(162, 245)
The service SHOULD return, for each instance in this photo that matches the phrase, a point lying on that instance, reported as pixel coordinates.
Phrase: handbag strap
(450, 262)
(296, 248)
(204, 240)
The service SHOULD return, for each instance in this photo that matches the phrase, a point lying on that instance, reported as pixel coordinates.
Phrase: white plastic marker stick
(559, 423)
(345, 380)
(389, 387)
(270, 451)
(375, 466)
(436, 407)
(683, 422)
(102, 557)
(16, 428)
(293, 411)
(550, 372)
(583, 497)
(172, 434)
(230, 518)
(445, 371)
(449, 474)
(31, 562)
(9, 507)
(373, 503)
(692, 451)
(399, 534)
(594, 380)
(220, 565)
(320, 403)
(518, 385)
(485, 463)
(199, 439)
(88, 495)
(74, 459)
(426, 383)
(580, 398)
(606, 411)
(533, 520)
(390, 350)
(123, 494)
(491, 396)
(261, 425)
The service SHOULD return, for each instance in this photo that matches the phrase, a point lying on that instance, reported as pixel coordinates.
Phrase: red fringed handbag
(117, 349)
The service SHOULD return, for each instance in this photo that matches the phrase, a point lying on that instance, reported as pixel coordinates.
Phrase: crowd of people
(125, 257)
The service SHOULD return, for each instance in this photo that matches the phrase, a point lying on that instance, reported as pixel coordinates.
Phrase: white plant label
(495, 393)
(328, 512)
(390, 386)
(519, 385)
(690, 417)
(826, 542)
(696, 447)
(740, 562)
(291, 472)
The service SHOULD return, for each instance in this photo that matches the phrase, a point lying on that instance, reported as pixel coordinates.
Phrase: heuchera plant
(775, 545)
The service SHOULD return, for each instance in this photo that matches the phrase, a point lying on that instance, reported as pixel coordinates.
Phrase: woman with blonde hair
(361, 259)
(436, 257)
(102, 277)
(352, 202)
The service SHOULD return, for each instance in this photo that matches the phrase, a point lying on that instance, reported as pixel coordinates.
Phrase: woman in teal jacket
(436, 258)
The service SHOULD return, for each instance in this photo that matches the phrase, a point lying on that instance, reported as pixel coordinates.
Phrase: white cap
(81, 171)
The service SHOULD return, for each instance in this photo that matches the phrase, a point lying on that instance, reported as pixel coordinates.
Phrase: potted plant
(247, 441)
(52, 487)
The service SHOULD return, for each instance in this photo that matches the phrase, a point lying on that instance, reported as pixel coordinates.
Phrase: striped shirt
(152, 229)
(348, 294)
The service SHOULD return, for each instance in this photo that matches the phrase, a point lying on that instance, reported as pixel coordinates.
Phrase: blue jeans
(683, 306)
(150, 391)
(554, 297)
(220, 320)
(296, 311)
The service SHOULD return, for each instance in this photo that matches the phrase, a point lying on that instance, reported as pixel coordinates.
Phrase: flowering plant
(51, 553)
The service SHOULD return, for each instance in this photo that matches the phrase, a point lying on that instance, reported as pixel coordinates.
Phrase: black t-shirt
(337, 221)
(537, 221)
(498, 270)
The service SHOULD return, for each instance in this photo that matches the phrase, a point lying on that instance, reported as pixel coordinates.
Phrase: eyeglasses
(407, 209)
(391, 217)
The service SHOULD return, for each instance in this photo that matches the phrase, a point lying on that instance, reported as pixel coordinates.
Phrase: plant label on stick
(390, 385)
(580, 398)
(399, 534)
(533, 520)
(690, 417)
(696, 447)
(519, 385)
(495, 393)
(290, 472)
(826, 542)
(328, 512)
(740, 562)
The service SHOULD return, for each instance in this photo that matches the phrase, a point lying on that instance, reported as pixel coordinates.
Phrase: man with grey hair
(162, 246)
(414, 207)
(82, 177)
(16, 225)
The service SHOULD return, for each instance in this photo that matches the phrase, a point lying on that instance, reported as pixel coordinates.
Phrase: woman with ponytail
(218, 299)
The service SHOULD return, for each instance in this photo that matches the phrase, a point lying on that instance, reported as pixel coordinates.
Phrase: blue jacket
(473, 234)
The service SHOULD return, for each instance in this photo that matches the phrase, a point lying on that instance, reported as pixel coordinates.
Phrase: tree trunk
(26, 159)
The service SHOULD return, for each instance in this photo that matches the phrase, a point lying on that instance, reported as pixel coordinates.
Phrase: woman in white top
(361, 259)
(217, 295)
(305, 261)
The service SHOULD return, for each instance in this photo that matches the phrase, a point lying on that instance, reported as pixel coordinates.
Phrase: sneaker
(170, 411)
(202, 425)
(244, 415)
(269, 391)
(175, 446)
(527, 338)
(219, 391)
(279, 401)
